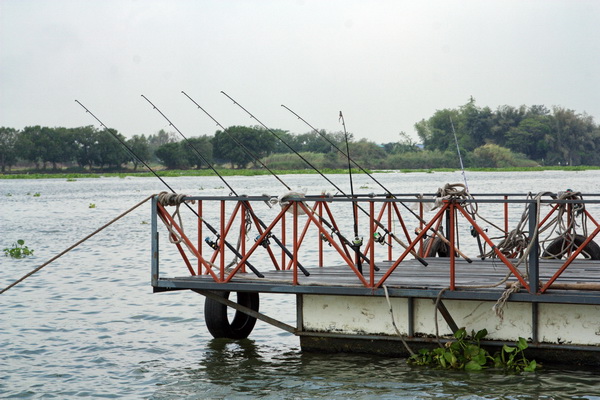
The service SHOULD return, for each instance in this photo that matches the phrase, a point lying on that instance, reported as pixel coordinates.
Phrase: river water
(88, 325)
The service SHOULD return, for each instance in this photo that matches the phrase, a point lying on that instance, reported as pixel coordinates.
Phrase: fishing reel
(265, 242)
(324, 239)
(474, 232)
(357, 242)
(379, 238)
(211, 243)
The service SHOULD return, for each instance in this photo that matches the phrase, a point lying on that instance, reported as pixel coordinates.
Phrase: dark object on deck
(563, 247)
(215, 316)
(438, 247)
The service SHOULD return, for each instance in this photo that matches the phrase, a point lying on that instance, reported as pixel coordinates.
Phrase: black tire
(559, 246)
(217, 322)
(438, 248)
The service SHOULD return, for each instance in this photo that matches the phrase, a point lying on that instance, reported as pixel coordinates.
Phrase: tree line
(509, 136)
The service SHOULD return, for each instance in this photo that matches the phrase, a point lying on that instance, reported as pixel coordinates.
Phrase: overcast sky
(385, 64)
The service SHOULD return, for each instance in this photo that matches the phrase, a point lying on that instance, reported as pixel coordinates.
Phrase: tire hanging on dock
(563, 245)
(438, 247)
(217, 322)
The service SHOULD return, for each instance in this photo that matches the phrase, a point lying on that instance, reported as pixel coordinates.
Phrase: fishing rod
(357, 241)
(245, 204)
(209, 226)
(421, 260)
(462, 166)
(332, 143)
(251, 154)
(474, 232)
(388, 193)
(232, 137)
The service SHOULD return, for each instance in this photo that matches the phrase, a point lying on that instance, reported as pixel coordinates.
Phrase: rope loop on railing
(455, 192)
(173, 199)
(284, 200)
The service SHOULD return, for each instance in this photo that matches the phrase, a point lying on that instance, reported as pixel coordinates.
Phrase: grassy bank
(253, 172)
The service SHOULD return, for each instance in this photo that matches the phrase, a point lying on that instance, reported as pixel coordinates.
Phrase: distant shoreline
(253, 172)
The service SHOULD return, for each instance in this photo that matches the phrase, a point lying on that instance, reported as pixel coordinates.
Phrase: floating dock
(516, 265)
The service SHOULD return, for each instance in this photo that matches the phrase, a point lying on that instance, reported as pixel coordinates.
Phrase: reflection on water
(89, 326)
(242, 369)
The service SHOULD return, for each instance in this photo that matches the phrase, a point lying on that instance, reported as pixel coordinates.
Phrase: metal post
(154, 245)
(199, 245)
(534, 254)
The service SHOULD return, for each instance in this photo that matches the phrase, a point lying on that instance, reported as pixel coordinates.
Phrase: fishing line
(244, 203)
(357, 240)
(232, 137)
(474, 232)
(209, 226)
(462, 166)
(421, 260)
(329, 225)
(388, 193)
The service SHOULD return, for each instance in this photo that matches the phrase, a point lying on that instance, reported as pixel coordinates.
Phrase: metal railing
(302, 233)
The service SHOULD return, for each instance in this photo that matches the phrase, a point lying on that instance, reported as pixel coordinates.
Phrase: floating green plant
(467, 354)
(37, 194)
(18, 250)
(92, 205)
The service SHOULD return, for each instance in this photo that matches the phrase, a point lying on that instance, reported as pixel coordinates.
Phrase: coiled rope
(173, 199)
(74, 245)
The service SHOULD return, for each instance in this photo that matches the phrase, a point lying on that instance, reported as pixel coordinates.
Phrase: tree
(574, 135)
(366, 153)
(503, 120)
(529, 137)
(235, 144)
(29, 145)
(8, 150)
(141, 149)
(59, 146)
(86, 137)
(474, 125)
(108, 151)
(199, 145)
(160, 138)
(436, 132)
(405, 145)
(173, 156)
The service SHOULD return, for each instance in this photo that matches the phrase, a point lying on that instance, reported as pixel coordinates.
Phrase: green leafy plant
(466, 353)
(92, 205)
(18, 250)
(37, 194)
(512, 358)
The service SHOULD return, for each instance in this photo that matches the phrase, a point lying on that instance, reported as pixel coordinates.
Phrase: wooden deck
(481, 279)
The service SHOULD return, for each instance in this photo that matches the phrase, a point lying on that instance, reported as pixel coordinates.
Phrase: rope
(172, 199)
(387, 297)
(284, 199)
(499, 306)
(74, 245)
(451, 191)
(243, 230)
